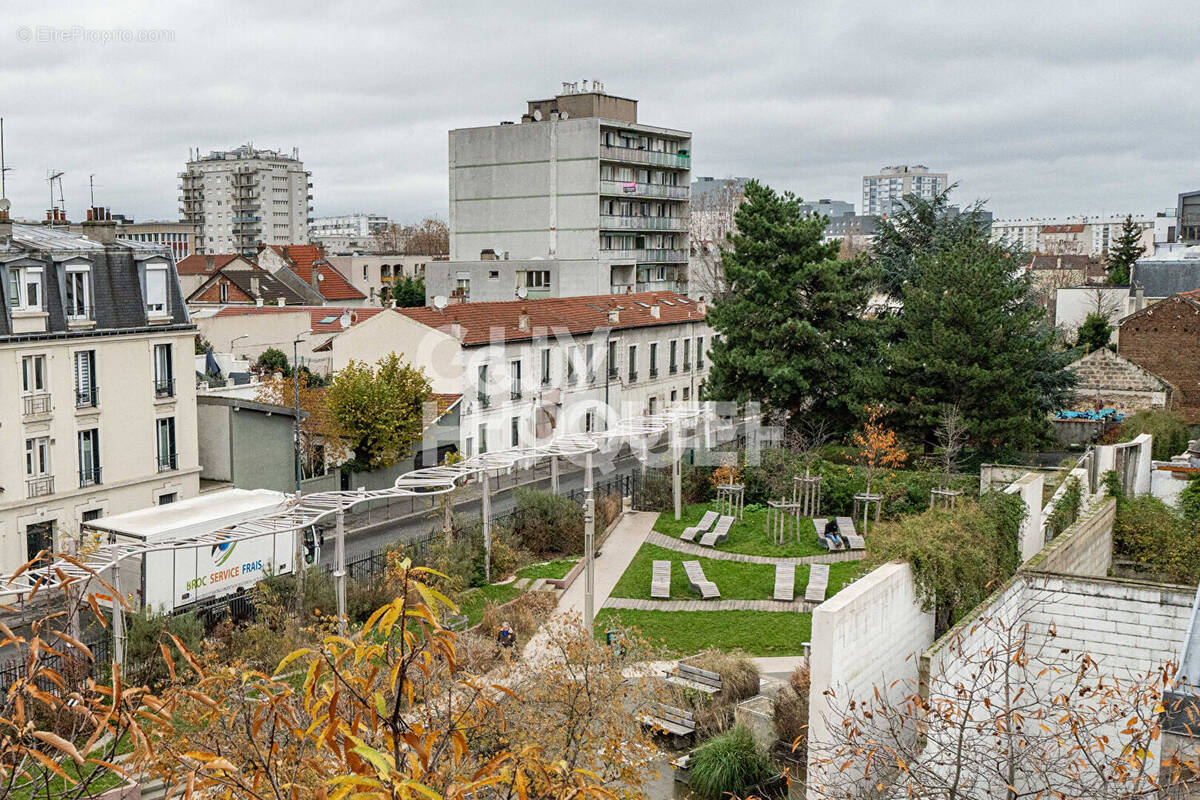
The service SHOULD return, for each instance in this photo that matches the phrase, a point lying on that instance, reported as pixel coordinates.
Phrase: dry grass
(739, 681)
(791, 713)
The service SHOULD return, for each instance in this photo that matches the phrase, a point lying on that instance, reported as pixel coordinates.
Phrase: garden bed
(757, 633)
(748, 535)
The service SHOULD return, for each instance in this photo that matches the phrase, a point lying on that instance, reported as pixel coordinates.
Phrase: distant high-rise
(579, 198)
(882, 193)
(238, 199)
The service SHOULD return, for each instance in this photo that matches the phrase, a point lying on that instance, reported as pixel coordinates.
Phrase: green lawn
(736, 581)
(472, 603)
(758, 633)
(554, 569)
(748, 535)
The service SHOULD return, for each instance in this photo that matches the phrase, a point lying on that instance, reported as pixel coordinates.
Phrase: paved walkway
(708, 605)
(671, 543)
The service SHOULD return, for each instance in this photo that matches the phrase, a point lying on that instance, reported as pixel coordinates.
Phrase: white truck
(176, 577)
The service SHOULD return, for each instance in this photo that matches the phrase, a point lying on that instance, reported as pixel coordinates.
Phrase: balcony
(612, 373)
(483, 399)
(89, 477)
(647, 256)
(164, 388)
(653, 373)
(168, 462)
(81, 315)
(674, 368)
(632, 156)
(687, 366)
(39, 486)
(35, 404)
(87, 397)
(515, 394)
(632, 377)
(632, 189)
(613, 222)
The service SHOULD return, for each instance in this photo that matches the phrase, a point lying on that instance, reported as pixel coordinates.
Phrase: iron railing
(164, 387)
(36, 404)
(89, 476)
(87, 397)
(39, 486)
(168, 461)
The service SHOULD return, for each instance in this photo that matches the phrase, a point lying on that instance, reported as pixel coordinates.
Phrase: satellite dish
(440, 301)
(5, 204)
(562, 115)
(522, 292)
(537, 115)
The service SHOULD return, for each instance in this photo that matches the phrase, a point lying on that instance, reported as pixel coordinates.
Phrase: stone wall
(1108, 380)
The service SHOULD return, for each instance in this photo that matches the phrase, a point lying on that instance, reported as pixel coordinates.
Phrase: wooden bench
(718, 534)
(455, 622)
(698, 582)
(695, 678)
(706, 522)
(818, 583)
(785, 582)
(670, 719)
(683, 768)
(846, 529)
(660, 581)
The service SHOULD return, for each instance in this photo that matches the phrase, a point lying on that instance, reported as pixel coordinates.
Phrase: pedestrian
(833, 536)
(507, 637)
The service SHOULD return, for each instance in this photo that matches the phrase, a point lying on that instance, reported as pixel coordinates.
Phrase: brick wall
(1165, 339)
(213, 294)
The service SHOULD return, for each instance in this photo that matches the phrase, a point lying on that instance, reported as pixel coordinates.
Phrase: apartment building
(179, 236)
(96, 358)
(238, 199)
(584, 197)
(348, 233)
(883, 192)
(1079, 234)
(374, 274)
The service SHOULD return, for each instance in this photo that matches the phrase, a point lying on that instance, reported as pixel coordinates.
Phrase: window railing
(81, 315)
(639, 222)
(687, 365)
(674, 368)
(484, 399)
(617, 153)
(37, 404)
(168, 461)
(612, 373)
(39, 486)
(632, 376)
(87, 397)
(654, 372)
(164, 387)
(89, 476)
(632, 189)
(515, 394)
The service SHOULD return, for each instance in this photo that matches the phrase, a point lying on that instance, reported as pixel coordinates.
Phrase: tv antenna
(92, 190)
(4, 169)
(51, 178)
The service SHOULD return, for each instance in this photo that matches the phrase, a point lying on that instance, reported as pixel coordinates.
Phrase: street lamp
(234, 341)
(296, 386)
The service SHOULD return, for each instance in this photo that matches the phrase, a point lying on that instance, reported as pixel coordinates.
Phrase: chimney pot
(523, 320)
(258, 302)
(279, 302)
(655, 310)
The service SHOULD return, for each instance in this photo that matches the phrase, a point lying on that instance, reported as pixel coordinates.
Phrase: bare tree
(392, 239)
(430, 237)
(951, 436)
(1013, 714)
(806, 438)
(710, 224)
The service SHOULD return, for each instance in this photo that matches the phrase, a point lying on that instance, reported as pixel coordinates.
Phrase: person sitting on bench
(507, 636)
(833, 536)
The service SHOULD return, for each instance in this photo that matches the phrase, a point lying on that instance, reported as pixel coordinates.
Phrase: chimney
(6, 228)
(1139, 301)
(254, 292)
(656, 310)
(279, 302)
(100, 227)
(210, 263)
(523, 320)
(702, 306)
(456, 330)
(614, 315)
(258, 302)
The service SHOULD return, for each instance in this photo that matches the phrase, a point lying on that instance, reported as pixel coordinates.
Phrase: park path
(615, 556)
(636, 604)
(678, 545)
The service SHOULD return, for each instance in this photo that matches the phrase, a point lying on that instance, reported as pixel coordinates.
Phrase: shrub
(547, 524)
(739, 681)
(608, 508)
(791, 713)
(1150, 534)
(145, 631)
(727, 764)
(1168, 428)
(1066, 508)
(1189, 501)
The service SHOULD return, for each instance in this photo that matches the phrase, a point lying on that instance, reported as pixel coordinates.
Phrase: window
(37, 457)
(612, 360)
(545, 366)
(687, 393)
(654, 359)
(674, 364)
(591, 363)
(483, 437)
(481, 387)
(674, 395)
(167, 458)
(516, 431)
(699, 352)
(25, 288)
(535, 279)
(589, 421)
(365, 272)
(687, 354)
(78, 284)
(93, 514)
(168, 498)
(89, 457)
(33, 374)
(632, 366)
(572, 365)
(164, 371)
(494, 274)
(224, 292)
(515, 372)
(653, 405)
(85, 379)
(469, 447)
(156, 290)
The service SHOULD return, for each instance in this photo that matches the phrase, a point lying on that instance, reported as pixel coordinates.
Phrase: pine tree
(1094, 332)
(793, 329)
(971, 334)
(1127, 249)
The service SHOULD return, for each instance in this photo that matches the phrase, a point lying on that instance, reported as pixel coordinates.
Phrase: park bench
(697, 580)
(683, 768)
(695, 678)
(846, 529)
(819, 525)
(785, 582)
(718, 534)
(660, 581)
(670, 719)
(706, 522)
(818, 583)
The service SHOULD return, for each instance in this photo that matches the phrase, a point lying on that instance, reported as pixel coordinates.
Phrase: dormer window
(79, 291)
(156, 290)
(25, 288)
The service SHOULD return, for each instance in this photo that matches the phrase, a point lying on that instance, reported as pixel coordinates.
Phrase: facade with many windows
(96, 355)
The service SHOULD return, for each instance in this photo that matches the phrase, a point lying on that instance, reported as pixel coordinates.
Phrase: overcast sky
(1041, 108)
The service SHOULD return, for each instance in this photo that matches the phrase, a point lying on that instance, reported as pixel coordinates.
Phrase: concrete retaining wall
(1084, 548)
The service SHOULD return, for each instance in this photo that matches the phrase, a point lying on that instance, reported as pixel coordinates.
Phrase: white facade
(347, 225)
(602, 199)
(1057, 234)
(374, 274)
(883, 192)
(240, 198)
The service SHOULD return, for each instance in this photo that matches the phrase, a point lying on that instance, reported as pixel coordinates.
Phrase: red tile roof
(317, 314)
(557, 315)
(304, 258)
(198, 264)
